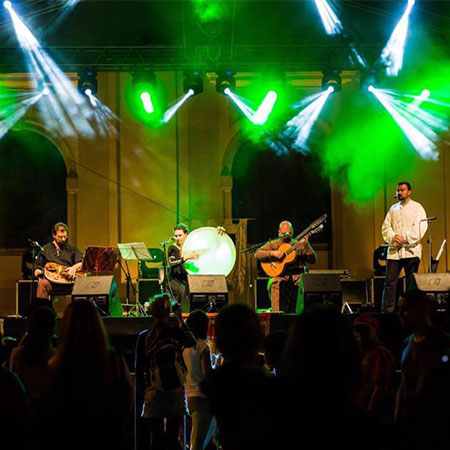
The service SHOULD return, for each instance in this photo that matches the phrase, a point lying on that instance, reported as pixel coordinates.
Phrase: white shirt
(193, 359)
(407, 221)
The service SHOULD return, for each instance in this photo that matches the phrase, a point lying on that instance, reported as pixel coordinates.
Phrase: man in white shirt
(403, 228)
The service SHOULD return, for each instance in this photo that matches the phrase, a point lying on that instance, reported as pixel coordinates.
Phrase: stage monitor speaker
(147, 289)
(97, 289)
(321, 289)
(208, 292)
(436, 286)
(23, 296)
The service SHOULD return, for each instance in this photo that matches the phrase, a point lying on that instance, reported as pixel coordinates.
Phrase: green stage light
(147, 102)
(265, 108)
(144, 88)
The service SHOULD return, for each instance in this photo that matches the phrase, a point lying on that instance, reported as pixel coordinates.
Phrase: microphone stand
(430, 246)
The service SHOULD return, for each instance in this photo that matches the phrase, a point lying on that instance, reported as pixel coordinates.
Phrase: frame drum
(217, 253)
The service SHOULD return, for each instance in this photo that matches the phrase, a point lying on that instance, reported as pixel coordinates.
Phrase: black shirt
(177, 269)
(67, 255)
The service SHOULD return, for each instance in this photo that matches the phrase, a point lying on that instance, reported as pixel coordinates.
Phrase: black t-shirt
(177, 269)
(67, 255)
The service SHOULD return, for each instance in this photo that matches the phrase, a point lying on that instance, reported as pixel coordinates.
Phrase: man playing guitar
(60, 252)
(284, 288)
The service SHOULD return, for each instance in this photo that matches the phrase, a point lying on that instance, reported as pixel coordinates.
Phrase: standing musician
(58, 251)
(284, 290)
(403, 228)
(178, 275)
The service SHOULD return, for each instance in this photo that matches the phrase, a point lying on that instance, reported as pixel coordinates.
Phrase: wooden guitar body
(275, 268)
(56, 273)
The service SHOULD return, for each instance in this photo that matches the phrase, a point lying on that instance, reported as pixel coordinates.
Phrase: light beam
(420, 127)
(301, 125)
(173, 109)
(393, 52)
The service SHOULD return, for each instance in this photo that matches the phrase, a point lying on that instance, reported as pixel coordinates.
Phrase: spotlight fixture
(7, 4)
(193, 81)
(369, 79)
(87, 81)
(331, 79)
(144, 87)
(225, 80)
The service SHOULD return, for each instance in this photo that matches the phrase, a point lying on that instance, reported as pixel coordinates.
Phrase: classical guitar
(56, 273)
(275, 268)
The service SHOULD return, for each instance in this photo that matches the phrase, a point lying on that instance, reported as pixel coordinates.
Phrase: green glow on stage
(208, 11)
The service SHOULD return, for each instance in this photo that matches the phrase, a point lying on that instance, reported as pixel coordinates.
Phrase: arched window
(271, 188)
(32, 188)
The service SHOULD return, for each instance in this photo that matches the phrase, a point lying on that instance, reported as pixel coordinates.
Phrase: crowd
(327, 382)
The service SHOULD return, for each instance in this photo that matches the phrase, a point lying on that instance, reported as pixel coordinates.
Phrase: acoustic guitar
(56, 273)
(275, 268)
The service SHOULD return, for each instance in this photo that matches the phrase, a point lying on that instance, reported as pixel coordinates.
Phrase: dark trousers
(180, 291)
(393, 268)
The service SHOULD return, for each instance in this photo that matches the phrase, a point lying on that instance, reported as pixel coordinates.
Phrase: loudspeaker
(209, 292)
(436, 285)
(148, 289)
(97, 289)
(23, 288)
(321, 288)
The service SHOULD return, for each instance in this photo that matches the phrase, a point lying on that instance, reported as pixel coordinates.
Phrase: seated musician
(61, 252)
(284, 292)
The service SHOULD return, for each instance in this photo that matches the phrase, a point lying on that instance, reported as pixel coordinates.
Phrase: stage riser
(123, 332)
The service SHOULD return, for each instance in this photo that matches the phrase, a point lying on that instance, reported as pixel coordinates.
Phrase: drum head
(217, 252)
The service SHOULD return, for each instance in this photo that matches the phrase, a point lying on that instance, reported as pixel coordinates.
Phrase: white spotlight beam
(173, 109)
(66, 108)
(423, 140)
(301, 125)
(265, 108)
(393, 52)
(330, 21)
(248, 112)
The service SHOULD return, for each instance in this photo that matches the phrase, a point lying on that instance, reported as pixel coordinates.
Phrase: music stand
(133, 251)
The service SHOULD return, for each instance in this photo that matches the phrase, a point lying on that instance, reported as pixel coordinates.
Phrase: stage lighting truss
(193, 80)
(331, 78)
(87, 82)
(225, 80)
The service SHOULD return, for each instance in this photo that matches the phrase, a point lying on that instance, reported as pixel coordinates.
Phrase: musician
(178, 275)
(403, 228)
(284, 289)
(58, 251)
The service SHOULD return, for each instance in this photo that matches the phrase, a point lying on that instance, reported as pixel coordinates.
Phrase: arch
(69, 158)
(33, 184)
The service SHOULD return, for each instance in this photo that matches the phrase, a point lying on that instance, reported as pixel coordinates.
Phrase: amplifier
(23, 288)
(97, 289)
(209, 292)
(436, 286)
(321, 288)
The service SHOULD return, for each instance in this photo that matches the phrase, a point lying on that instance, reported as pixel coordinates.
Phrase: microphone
(396, 195)
(35, 244)
(429, 219)
(171, 239)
